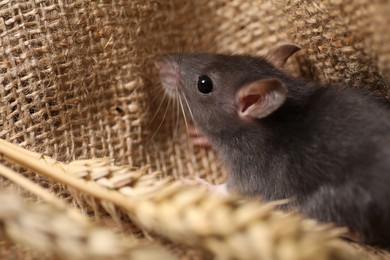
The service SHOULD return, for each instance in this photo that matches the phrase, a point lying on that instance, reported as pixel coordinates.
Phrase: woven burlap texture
(77, 78)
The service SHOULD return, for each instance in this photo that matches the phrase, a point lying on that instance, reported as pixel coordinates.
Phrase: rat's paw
(212, 188)
(197, 139)
(353, 236)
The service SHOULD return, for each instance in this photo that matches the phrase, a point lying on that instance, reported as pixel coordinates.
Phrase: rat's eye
(205, 85)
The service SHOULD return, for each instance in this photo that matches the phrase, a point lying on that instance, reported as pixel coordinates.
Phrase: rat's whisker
(184, 114)
(192, 117)
(188, 106)
(155, 88)
(181, 53)
(155, 96)
(186, 123)
(177, 98)
(171, 62)
(162, 120)
(156, 92)
(176, 127)
(158, 109)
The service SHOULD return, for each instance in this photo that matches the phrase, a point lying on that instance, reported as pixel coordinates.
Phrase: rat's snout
(159, 64)
(169, 73)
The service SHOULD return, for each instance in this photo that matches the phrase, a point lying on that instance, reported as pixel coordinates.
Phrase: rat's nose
(165, 64)
(169, 72)
(159, 64)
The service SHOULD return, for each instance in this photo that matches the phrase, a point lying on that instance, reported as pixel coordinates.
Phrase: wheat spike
(225, 226)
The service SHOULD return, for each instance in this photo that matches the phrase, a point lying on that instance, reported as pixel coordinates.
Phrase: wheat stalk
(227, 227)
(51, 230)
(27, 184)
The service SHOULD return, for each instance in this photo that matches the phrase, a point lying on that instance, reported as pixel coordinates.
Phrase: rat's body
(328, 148)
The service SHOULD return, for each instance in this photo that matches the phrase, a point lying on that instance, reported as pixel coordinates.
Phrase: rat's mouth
(169, 75)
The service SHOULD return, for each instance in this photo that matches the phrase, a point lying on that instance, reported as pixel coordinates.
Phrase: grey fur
(328, 147)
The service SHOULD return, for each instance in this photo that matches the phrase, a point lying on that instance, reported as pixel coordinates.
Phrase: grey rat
(325, 147)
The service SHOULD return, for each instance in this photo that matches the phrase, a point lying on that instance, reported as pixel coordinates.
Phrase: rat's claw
(200, 141)
(219, 189)
(197, 139)
(354, 236)
(192, 131)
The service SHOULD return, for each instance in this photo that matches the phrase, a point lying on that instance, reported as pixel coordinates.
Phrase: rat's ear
(261, 98)
(279, 55)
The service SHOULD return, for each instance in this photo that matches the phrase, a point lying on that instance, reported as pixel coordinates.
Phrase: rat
(323, 147)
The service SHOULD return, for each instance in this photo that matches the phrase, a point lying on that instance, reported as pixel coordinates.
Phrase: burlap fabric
(77, 78)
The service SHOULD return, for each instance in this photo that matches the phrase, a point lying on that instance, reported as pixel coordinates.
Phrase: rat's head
(221, 89)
